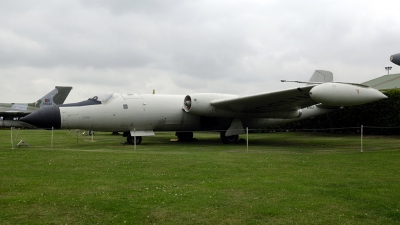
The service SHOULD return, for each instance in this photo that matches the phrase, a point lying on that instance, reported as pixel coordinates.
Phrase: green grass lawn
(284, 178)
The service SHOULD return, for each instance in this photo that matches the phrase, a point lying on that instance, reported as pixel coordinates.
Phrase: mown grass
(284, 178)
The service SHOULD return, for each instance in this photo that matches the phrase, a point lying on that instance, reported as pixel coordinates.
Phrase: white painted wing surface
(284, 100)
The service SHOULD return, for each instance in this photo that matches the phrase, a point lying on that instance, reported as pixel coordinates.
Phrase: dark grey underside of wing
(15, 112)
(285, 100)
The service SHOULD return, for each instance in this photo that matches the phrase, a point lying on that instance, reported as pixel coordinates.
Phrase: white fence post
(134, 140)
(12, 143)
(247, 138)
(76, 134)
(52, 136)
(362, 138)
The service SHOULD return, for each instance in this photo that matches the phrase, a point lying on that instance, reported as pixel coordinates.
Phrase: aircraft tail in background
(11, 112)
(57, 96)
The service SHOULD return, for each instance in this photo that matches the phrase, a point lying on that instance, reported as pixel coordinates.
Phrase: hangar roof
(385, 82)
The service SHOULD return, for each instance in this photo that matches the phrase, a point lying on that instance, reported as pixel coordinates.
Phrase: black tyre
(229, 139)
(184, 136)
(130, 140)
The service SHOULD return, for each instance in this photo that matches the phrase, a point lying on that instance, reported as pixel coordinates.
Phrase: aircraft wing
(284, 100)
(56, 96)
(16, 110)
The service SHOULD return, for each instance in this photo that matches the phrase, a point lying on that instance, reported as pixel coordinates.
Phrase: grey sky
(183, 47)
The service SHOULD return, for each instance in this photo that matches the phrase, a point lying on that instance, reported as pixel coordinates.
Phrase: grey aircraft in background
(11, 112)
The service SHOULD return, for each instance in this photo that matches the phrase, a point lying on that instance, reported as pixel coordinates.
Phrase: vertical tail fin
(321, 76)
(55, 97)
(62, 94)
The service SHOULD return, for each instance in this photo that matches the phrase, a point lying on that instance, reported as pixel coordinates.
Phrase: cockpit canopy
(95, 100)
(103, 97)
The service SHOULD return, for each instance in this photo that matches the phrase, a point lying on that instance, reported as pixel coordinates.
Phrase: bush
(381, 115)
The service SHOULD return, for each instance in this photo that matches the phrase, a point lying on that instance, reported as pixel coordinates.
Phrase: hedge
(381, 117)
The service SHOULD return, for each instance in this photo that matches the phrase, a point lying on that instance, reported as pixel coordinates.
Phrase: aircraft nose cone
(46, 117)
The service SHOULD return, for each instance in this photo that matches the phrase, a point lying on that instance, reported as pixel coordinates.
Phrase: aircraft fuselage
(122, 113)
(129, 112)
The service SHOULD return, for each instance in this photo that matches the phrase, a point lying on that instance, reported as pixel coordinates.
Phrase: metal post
(388, 68)
(52, 136)
(247, 138)
(12, 143)
(362, 138)
(134, 140)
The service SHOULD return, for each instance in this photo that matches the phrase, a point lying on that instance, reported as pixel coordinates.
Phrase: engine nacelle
(342, 94)
(200, 104)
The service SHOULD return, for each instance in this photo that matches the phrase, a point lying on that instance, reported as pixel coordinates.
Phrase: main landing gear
(131, 139)
(184, 136)
(229, 139)
(188, 136)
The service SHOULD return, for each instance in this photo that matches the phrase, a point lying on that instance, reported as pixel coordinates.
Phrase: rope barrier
(78, 134)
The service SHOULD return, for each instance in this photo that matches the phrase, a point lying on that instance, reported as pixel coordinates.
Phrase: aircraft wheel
(229, 139)
(184, 136)
(130, 140)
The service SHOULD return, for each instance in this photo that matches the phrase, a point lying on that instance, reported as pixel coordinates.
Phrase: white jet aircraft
(138, 115)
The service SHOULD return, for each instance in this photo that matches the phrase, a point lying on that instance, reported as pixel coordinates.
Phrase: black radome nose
(47, 117)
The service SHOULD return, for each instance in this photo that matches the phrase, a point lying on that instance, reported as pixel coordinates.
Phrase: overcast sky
(184, 47)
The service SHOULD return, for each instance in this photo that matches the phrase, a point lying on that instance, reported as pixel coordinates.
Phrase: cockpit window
(103, 97)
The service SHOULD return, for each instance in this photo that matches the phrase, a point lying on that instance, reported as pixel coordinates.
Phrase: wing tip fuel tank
(340, 94)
